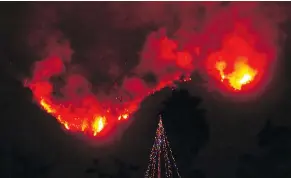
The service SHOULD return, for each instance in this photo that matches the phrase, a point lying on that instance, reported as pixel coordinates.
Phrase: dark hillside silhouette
(274, 155)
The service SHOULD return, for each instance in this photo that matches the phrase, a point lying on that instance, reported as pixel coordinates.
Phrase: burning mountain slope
(229, 47)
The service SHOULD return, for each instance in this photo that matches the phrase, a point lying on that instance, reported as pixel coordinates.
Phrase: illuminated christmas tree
(162, 163)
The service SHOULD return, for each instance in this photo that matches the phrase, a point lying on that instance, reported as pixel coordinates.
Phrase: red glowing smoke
(234, 46)
(78, 109)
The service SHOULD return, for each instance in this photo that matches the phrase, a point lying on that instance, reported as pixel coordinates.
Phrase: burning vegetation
(235, 54)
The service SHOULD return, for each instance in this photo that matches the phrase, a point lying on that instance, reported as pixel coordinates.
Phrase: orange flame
(123, 116)
(98, 124)
(237, 63)
(46, 106)
(243, 74)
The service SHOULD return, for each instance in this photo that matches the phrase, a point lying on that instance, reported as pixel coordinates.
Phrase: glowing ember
(123, 116)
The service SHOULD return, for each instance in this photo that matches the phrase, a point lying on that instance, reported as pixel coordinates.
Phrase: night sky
(212, 134)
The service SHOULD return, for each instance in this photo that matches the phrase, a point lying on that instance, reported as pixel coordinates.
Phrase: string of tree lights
(161, 154)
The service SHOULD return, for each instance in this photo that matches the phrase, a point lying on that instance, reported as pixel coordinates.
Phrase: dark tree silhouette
(124, 169)
(13, 99)
(197, 174)
(274, 157)
(186, 128)
(26, 167)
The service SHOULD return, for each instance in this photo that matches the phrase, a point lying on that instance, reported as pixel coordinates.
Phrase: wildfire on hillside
(237, 65)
